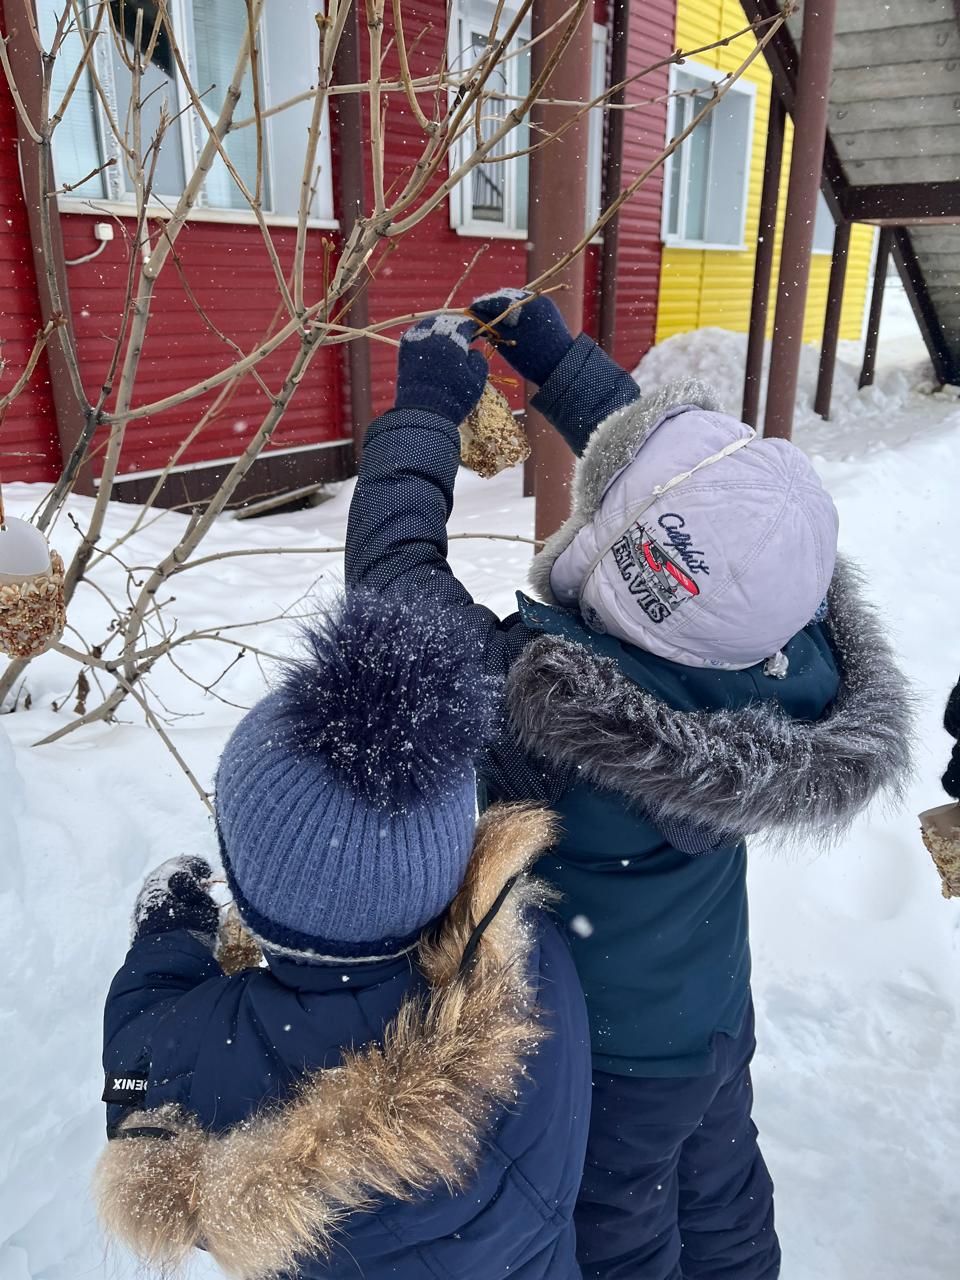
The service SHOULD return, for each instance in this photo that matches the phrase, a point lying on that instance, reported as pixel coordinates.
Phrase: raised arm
(397, 528)
(579, 384)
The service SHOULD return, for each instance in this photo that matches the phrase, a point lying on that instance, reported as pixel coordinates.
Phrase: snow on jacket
(658, 770)
(403, 1120)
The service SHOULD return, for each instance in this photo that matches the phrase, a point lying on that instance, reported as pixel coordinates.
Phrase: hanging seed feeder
(32, 615)
(491, 438)
(237, 950)
(940, 828)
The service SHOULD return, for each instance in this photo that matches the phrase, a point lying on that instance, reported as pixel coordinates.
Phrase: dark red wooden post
(612, 174)
(347, 113)
(831, 320)
(806, 164)
(763, 267)
(557, 222)
(876, 306)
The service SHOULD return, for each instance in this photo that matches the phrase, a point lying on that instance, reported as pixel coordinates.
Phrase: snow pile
(900, 405)
(857, 957)
(11, 789)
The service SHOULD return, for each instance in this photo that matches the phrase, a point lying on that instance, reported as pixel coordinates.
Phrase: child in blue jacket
(700, 669)
(402, 1088)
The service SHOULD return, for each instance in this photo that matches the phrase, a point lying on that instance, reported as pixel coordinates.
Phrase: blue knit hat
(346, 799)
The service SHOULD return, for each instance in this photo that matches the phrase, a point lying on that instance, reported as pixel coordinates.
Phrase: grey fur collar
(611, 447)
(394, 1120)
(743, 771)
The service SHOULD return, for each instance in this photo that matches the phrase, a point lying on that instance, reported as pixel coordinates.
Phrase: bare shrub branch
(459, 130)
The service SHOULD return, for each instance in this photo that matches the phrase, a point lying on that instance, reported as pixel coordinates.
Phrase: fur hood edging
(394, 1120)
(743, 771)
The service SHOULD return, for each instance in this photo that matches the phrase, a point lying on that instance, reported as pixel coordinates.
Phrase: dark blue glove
(174, 897)
(951, 722)
(533, 338)
(437, 371)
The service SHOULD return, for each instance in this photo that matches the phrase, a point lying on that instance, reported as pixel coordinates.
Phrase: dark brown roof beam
(783, 60)
(904, 204)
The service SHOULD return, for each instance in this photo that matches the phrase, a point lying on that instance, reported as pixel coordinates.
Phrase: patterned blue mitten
(173, 897)
(534, 337)
(437, 371)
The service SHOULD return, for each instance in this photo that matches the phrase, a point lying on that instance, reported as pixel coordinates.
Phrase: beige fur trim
(392, 1121)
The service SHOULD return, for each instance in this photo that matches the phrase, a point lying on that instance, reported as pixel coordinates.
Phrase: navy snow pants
(675, 1187)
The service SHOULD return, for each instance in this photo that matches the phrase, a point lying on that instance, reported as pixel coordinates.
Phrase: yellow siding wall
(712, 286)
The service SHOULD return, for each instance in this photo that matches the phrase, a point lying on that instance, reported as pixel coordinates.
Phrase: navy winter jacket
(657, 770)
(493, 1085)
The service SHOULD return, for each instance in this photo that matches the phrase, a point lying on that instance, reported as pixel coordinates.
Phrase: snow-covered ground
(857, 956)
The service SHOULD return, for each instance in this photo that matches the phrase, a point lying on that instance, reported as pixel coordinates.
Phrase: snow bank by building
(857, 957)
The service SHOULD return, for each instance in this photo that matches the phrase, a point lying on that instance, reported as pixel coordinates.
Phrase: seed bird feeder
(32, 613)
(491, 438)
(941, 834)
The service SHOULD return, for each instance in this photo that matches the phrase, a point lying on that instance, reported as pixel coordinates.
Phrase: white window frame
(597, 132)
(119, 200)
(460, 204)
(708, 76)
(479, 14)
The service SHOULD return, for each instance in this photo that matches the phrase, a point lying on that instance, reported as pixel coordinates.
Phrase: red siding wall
(29, 446)
(228, 272)
(421, 273)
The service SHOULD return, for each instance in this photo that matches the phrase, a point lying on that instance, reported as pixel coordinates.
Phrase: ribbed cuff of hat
(311, 946)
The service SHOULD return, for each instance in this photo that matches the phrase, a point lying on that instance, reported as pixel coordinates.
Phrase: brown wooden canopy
(892, 152)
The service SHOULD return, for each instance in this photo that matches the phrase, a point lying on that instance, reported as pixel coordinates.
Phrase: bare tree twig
(428, 126)
(149, 275)
(252, 198)
(143, 632)
(15, 93)
(168, 742)
(82, 63)
(374, 14)
(36, 351)
(720, 91)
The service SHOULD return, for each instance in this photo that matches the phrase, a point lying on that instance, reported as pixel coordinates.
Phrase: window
(493, 199)
(208, 33)
(705, 184)
(823, 227)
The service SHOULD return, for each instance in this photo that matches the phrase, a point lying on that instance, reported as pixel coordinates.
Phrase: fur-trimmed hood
(393, 1121)
(741, 771)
